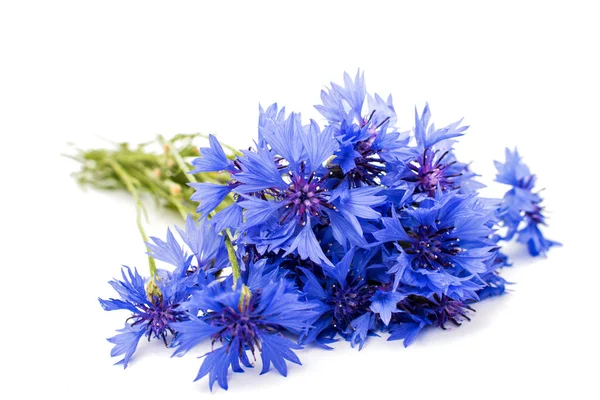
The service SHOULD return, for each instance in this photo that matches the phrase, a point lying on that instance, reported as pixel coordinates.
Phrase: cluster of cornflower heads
(335, 232)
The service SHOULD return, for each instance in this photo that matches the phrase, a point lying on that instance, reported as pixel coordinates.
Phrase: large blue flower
(243, 322)
(348, 299)
(443, 246)
(520, 210)
(285, 191)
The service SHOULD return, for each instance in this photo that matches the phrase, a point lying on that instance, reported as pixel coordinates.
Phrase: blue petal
(170, 251)
(345, 157)
(385, 303)
(344, 103)
(216, 364)
(308, 246)
(513, 171)
(407, 331)
(427, 136)
(131, 288)
(535, 240)
(229, 217)
(341, 269)
(276, 349)
(361, 201)
(319, 146)
(115, 304)
(203, 240)
(393, 231)
(259, 172)
(362, 325)
(126, 342)
(209, 195)
(344, 232)
(212, 158)
(190, 333)
(259, 211)
(284, 138)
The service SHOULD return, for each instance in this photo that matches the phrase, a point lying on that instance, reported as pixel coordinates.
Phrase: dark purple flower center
(369, 166)
(430, 173)
(305, 198)
(433, 248)
(349, 302)
(439, 310)
(536, 215)
(527, 182)
(240, 325)
(157, 318)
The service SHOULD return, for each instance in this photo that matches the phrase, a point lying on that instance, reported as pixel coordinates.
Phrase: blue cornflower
(155, 307)
(520, 210)
(443, 246)
(285, 191)
(243, 322)
(348, 301)
(432, 166)
(365, 145)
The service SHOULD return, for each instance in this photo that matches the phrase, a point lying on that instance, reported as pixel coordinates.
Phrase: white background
(520, 73)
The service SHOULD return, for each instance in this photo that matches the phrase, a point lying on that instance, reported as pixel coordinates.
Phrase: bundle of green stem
(141, 171)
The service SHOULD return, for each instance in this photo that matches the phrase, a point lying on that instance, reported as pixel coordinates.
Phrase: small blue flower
(153, 315)
(244, 322)
(432, 166)
(521, 206)
(365, 146)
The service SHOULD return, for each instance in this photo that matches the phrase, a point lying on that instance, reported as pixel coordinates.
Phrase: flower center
(433, 248)
(430, 173)
(240, 325)
(439, 310)
(157, 318)
(349, 303)
(304, 198)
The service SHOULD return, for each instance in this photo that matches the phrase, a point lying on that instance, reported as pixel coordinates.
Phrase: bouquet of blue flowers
(324, 233)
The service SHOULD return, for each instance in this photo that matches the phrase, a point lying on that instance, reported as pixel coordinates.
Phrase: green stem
(235, 266)
(175, 202)
(139, 207)
(177, 157)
